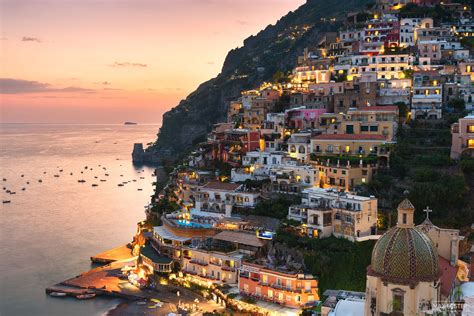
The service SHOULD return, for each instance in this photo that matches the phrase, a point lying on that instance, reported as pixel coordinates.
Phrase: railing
(198, 262)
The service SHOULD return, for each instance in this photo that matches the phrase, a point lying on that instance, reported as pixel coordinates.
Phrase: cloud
(30, 39)
(127, 64)
(19, 86)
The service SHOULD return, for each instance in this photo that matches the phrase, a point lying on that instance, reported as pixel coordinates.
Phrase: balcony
(227, 268)
(198, 262)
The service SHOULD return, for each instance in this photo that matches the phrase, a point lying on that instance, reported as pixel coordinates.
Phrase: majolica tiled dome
(405, 255)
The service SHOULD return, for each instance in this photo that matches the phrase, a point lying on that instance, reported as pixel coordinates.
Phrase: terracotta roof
(224, 186)
(240, 238)
(350, 136)
(447, 277)
(376, 108)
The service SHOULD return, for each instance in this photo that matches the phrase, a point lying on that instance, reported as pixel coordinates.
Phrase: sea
(53, 223)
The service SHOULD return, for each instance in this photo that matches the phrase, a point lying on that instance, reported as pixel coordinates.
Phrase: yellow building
(342, 176)
(372, 120)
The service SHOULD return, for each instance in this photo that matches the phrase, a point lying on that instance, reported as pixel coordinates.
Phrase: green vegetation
(420, 163)
(338, 263)
(276, 208)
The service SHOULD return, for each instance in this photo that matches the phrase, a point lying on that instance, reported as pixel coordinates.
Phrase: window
(374, 128)
(404, 220)
(470, 143)
(364, 128)
(349, 129)
(397, 301)
(470, 129)
(270, 293)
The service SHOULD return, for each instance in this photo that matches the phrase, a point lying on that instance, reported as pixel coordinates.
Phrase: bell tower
(406, 211)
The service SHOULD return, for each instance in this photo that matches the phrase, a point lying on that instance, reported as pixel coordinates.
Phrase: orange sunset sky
(104, 61)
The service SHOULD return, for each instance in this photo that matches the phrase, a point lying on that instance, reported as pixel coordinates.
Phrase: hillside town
(300, 160)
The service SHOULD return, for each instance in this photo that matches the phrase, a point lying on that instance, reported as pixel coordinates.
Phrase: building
(302, 118)
(372, 120)
(299, 145)
(327, 212)
(463, 137)
(154, 262)
(218, 199)
(212, 263)
(334, 173)
(407, 275)
(292, 178)
(361, 145)
(427, 96)
(286, 288)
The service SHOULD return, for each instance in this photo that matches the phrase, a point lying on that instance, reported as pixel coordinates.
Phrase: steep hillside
(275, 48)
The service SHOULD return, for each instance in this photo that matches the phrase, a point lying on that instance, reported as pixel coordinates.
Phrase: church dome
(405, 254)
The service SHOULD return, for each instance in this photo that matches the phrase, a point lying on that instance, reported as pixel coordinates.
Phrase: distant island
(130, 123)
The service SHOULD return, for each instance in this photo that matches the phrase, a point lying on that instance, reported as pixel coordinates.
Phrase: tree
(457, 104)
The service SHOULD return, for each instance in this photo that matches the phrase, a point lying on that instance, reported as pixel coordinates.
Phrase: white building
(218, 199)
(327, 212)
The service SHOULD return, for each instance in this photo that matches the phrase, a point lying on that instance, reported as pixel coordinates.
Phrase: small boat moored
(58, 294)
(85, 296)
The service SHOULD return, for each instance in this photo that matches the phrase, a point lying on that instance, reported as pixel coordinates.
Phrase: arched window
(301, 149)
(293, 148)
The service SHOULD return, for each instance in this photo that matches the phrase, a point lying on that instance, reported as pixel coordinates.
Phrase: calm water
(50, 230)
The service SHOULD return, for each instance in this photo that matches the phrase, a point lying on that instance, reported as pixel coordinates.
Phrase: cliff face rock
(273, 49)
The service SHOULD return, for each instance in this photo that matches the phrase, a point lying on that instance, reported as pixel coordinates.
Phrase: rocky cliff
(273, 49)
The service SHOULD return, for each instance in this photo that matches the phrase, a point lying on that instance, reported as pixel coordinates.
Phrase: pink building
(302, 118)
(463, 137)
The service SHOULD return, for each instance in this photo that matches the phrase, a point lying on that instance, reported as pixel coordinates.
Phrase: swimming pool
(189, 224)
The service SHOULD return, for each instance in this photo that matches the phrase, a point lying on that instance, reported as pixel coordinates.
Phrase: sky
(104, 61)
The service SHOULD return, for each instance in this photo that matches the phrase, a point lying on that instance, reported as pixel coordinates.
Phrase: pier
(120, 253)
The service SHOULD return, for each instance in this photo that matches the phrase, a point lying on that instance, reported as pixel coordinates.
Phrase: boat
(120, 185)
(27, 182)
(6, 201)
(7, 191)
(58, 294)
(44, 172)
(40, 180)
(106, 174)
(81, 181)
(140, 189)
(102, 180)
(56, 175)
(95, 185)
(85, 296)
(134, 180)
(142, 177)
(13, 192)
(4, 179)
(23, 189)
(95, 177)
(71, 173)
(22, 175)
(129, 123)
(60, 170)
